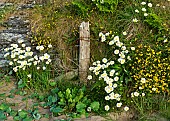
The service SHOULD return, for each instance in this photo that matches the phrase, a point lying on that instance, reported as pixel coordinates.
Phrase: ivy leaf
(95, 106)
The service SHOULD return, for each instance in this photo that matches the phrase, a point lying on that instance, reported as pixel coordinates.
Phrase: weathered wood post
(84, 51)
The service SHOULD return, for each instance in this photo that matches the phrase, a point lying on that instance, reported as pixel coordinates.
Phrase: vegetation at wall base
(130, 60)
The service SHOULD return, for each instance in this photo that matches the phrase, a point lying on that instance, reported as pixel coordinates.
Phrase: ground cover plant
(130, 59)
(4, 10)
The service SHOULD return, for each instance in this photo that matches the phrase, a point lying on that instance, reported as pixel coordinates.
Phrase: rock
(25, 6)
(41, 110)
(123, 116)
(44, 119)
(92, 118)
(1, 56)
(18, 31)
(8, 4)
(10, 118)
(3, 63)
(17, 28)
(68, 76)
(97, 118)
(58, 118)
(16, 99)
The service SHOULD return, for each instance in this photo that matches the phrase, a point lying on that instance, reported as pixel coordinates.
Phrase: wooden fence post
(84, 51)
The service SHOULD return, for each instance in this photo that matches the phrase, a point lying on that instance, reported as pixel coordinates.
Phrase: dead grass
(66, 25)
(63, 27)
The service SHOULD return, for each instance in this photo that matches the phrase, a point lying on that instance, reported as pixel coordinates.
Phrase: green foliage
(70, 98)
(148, 103)
(22, 114)
(85, 7)
(81, 8)
(144, 66)
(4, 109)
(4, 11)
(155, 22)
(32, 71)
(149, 60)
(70, 101)
(106, 5)
(26, 115)
(95, 105)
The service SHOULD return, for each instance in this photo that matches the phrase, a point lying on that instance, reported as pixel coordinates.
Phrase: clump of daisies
(143, 11)
(31, 70)
(110, 74)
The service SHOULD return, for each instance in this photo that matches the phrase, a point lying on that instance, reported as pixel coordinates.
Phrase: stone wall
(16, 28)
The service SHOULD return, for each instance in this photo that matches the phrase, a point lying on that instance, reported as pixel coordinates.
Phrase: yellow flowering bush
(151, 68)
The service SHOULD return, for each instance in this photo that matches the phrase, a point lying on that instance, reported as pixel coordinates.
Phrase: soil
(17, 102)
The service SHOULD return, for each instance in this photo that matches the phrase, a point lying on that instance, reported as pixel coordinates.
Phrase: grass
(57, 22)
(4, 13)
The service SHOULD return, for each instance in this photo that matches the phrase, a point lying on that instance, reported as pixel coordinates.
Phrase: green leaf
(72, 105)
(54, 91)
(80, 107)
(16, 118)
(54, 99)
(95, 106)
(116, 66)
(56, 110)
(81, 6)
(27, 119)
(60, 94)
(20, 82)
(21, 86)
(37, 116)
(4, 107)
(10, 73)
(22, 114)
(127, 80)
(62, 102)
(121, 78)
(160, 39)
(70, 100)
(11, 96)
(2, 116)
(13, 113)
(68, 92)
(2, 95)
(9, 110)
(53, 83)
